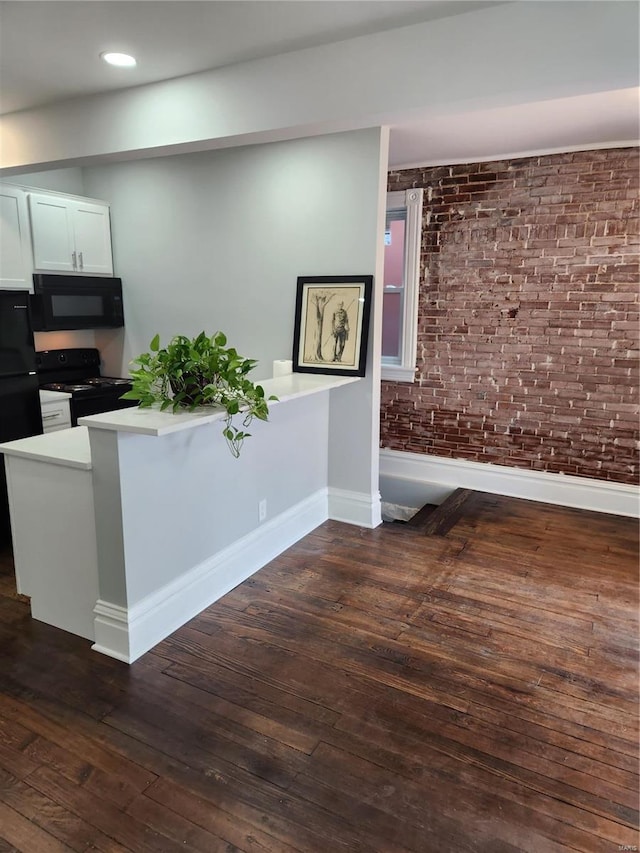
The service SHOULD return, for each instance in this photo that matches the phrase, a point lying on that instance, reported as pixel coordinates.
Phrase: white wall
(216, 240)
(59, 180)
(506, 54)
(185, 497)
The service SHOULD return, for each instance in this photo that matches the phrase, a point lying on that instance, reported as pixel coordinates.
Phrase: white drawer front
(55, 416)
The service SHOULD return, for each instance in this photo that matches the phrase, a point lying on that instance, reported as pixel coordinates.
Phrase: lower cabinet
(55, 414)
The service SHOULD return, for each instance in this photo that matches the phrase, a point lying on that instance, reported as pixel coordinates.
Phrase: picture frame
(332, 324)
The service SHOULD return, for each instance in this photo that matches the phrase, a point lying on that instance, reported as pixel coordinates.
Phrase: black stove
(77, 372)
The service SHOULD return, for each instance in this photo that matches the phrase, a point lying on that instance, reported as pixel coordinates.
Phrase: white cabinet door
(92, 238)
(15, 246)
(52, 233)
(70, 235)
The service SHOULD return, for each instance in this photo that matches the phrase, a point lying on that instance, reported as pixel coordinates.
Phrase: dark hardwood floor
(367, 691)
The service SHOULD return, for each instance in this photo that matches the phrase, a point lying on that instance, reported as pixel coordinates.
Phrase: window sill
(398, 373)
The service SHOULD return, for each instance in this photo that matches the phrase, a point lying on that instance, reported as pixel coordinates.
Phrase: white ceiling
(49, 52)
(598, 120)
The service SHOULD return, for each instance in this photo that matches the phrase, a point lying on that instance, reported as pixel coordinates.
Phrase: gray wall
(216, 240)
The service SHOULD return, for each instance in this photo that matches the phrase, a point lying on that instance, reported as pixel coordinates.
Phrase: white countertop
(53, 396)
(68, 447)
(154, 422)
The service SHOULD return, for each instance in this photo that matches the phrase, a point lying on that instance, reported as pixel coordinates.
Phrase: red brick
(555, 238)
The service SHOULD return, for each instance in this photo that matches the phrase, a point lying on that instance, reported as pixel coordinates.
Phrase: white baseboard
(127, 633)
(357, 508)
(413, 479)
(111, 630)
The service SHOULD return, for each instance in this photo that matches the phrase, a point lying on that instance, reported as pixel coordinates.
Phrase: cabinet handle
(73, 260)
(81, 263)
(52, 417)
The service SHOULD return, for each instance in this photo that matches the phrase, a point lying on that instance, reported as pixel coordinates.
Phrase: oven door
(83, 406)
(76, 302)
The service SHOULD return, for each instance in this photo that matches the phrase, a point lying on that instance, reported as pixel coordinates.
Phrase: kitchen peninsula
(145, 518)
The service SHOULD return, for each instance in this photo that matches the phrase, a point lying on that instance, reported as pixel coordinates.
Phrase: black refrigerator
(19, 399)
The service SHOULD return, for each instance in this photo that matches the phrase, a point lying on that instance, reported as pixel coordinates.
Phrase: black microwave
(75, 302)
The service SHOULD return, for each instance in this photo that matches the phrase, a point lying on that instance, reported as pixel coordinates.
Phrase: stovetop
(92, 386)
(76, 371)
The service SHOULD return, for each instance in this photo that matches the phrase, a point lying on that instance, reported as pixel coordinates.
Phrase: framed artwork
(332, 324)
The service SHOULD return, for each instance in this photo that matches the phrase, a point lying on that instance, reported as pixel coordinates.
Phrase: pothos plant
(192, 372)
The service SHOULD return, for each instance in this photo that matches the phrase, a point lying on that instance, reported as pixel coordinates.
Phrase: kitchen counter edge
(154, 422)
(67, 447)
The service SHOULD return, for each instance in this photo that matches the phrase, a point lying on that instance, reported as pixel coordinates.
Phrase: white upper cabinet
(70, 235)
(52, 233)
(15, 255)
(92, 230)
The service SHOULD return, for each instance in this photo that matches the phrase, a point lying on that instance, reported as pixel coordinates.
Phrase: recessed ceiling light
(122, 60)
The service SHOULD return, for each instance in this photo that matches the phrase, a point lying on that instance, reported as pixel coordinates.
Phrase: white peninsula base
(50, 486)
(146, 518)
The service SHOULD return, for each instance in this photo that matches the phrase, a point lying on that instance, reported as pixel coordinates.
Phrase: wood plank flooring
(438, 520)
(367, 691)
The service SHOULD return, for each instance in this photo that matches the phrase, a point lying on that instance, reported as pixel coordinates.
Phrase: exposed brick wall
(528, 317)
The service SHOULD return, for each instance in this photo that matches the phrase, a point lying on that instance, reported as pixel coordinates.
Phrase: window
(401, 282)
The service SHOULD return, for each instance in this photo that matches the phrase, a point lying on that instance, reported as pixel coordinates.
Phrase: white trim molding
(413, 479)
(403, 367)
(111, 629)
(359, 508)
(126, 633)
(396, 373)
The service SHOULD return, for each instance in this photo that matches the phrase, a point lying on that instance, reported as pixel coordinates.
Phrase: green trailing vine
(192, 372)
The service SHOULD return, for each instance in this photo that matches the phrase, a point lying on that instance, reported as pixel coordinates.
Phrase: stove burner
(105, 381)
(96, 385)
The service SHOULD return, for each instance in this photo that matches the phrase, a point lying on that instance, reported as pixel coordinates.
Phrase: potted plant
(193, 372)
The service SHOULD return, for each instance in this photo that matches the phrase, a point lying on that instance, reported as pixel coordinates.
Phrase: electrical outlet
(262, 510)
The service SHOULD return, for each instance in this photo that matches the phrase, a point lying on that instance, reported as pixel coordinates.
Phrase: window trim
(403, 369)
